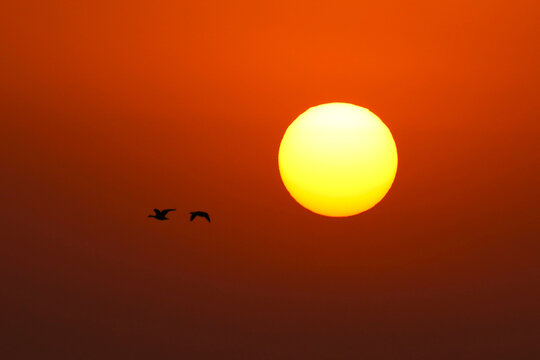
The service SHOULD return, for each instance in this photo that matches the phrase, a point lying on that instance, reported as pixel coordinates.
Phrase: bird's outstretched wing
(164, 212)
(193, 216)
(157, 212)
(205, 215)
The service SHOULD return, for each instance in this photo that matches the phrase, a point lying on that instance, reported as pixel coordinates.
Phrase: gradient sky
(111, 108)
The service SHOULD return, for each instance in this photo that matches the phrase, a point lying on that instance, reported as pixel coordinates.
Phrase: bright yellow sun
(338, 159)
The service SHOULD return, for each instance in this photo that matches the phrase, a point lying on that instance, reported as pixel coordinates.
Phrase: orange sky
(110, 109)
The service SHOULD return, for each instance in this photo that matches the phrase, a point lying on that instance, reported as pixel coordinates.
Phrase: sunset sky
(109, 109)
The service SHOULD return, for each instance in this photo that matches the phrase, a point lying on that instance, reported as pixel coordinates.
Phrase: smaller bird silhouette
(203, 214)
(161, 215)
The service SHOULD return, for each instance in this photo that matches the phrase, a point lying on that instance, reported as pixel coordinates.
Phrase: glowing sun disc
(338, 159)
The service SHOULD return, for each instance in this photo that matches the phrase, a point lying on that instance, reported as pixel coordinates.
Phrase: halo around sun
(338, 159)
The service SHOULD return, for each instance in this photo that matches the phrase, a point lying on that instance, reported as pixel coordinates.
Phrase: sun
(338, 159)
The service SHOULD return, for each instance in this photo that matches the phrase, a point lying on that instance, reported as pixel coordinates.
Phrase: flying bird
(161, 215)
(203, 214)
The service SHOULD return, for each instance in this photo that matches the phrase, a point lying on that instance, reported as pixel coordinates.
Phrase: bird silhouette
(161, 215)
(203, 214)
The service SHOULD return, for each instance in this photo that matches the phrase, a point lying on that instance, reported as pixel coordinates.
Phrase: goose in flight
(161, 215)
(203, 214)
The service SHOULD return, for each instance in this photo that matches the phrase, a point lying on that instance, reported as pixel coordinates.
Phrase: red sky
(109, 109)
